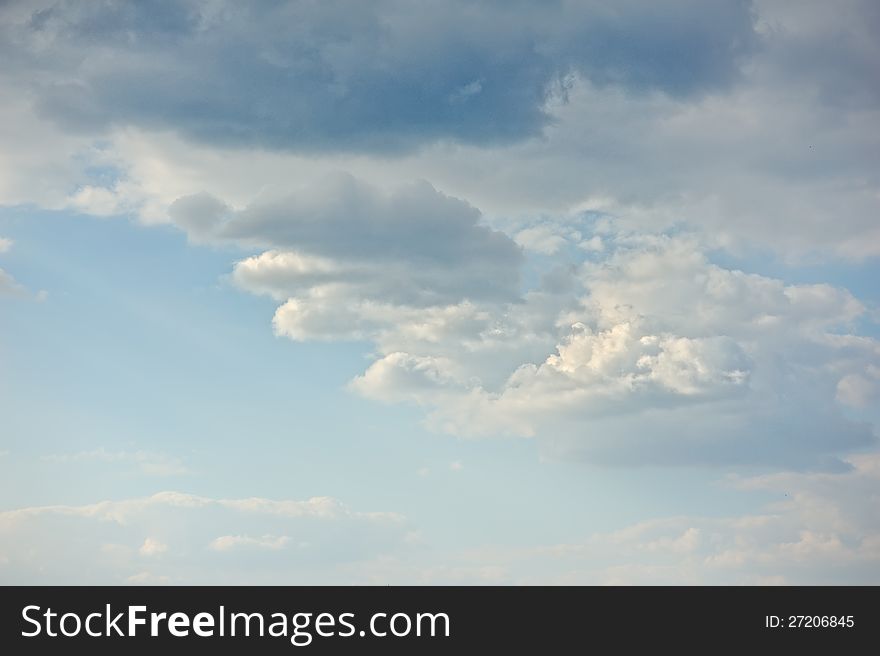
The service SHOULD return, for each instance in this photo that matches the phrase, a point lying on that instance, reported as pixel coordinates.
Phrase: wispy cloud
(185, 538)
(820, 529)
(146, 462)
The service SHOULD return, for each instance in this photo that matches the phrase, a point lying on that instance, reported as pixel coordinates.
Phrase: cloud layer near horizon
(172, 537)
(823, 528)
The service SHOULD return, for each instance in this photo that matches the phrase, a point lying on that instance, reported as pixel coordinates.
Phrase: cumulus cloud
(632, 347)
(348, 259)
(611, 151)
(338, 233)
(658, 355)
(182, 538)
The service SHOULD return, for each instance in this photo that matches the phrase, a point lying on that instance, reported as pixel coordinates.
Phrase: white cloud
(39, 163)
(818, 529)
(636, 349)
(626, 336)
(147, 578)
(860, 390)
(191, 539)
(98, 201)
(9, 286)
(146, 462)
(652, 354)
(152, 547)
(419, 273)
(230, 542)
(815, 528)
(544, 239)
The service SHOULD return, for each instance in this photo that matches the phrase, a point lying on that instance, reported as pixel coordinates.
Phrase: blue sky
(470, 292)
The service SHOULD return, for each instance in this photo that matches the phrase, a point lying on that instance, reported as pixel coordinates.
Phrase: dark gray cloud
(828, 48)
(415, 245)
(382, 75)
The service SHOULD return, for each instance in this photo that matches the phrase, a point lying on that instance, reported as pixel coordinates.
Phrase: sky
(460, 292)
